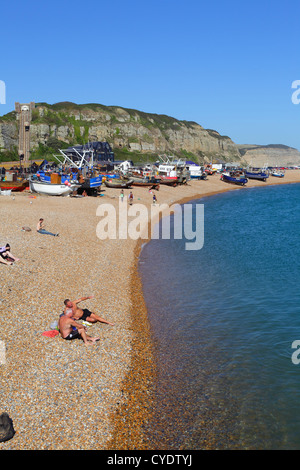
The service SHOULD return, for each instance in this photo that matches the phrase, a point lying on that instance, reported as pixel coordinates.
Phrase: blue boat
(260, 174)
(95, 181)
(91, 185)
(234, 178)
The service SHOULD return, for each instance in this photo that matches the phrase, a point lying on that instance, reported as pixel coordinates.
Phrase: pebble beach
(63, 395)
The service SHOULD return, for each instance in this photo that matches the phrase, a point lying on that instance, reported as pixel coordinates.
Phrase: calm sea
(224, 319)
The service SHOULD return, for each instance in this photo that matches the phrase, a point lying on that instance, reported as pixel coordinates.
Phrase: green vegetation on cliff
(132, 134)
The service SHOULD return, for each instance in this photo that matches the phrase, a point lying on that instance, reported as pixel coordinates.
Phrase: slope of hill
(269, 155)
(132, 134)
(129, 130)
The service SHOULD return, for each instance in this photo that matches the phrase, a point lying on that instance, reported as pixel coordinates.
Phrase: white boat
(166, 169)
(51, 189)
(172, 167)
(196, 171)
(278, 173)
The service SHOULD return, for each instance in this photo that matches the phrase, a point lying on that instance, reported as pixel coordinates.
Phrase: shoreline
(59, 394)
(133, 414)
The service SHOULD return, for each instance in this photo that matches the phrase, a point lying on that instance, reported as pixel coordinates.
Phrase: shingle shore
(61, 394)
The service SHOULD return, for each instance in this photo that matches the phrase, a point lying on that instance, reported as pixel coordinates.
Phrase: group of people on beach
(6, 257)
(130, 197)
(68, 325)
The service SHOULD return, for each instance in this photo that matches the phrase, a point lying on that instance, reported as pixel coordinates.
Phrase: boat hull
(203, 176)
(257, 176)
(233, 180)
(91, 183)
(169, 181)
(145, 184)
(118, 184)
(15, 187)
(51, 189)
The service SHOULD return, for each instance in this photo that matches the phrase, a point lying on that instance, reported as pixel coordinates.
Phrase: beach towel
(51, 333)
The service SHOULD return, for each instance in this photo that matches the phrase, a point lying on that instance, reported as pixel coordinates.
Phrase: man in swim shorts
(83, 314)
(70, 329)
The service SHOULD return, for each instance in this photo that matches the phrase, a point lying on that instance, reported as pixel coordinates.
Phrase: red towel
(50, 333)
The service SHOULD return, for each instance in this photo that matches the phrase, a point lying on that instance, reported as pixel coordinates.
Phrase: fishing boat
(257, 174)
(168, 180)
(90, 185)
(278, 173)
(145, 183)
(109, 176)
(196, 172)
(234, 178)
(16, 186)
(169, 170)
(52, 189)
(118, 183)
(209, 170)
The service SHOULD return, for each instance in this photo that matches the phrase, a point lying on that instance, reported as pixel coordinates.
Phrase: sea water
(225, 322)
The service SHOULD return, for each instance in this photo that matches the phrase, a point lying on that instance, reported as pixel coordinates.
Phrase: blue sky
(228, 65)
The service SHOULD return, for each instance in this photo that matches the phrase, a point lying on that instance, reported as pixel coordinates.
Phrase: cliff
(269, 155)
(134, 134)
(135, 131)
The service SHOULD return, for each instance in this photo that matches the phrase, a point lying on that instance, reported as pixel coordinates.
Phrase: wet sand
(62, 394)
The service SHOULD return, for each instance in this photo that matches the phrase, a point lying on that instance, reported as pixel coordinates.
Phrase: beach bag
(54, 325)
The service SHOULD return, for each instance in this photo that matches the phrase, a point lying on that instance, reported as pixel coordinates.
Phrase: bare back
(65, 325)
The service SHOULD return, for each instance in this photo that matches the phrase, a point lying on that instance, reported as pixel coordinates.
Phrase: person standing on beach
(83, 314)
(130, 197)
(70, 329)
(122, 195)
(154, 199)
(6, 257)
(40, 229)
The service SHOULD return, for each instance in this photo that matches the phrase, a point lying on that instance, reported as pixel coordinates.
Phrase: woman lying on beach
(70, 329)
(5, 255)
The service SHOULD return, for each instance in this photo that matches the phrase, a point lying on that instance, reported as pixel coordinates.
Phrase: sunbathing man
(5, 255)
(40, 228)
(69, 329)
(83, 314)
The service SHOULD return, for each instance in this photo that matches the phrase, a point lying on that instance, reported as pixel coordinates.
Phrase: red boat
(14, 185)
(169, 180)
